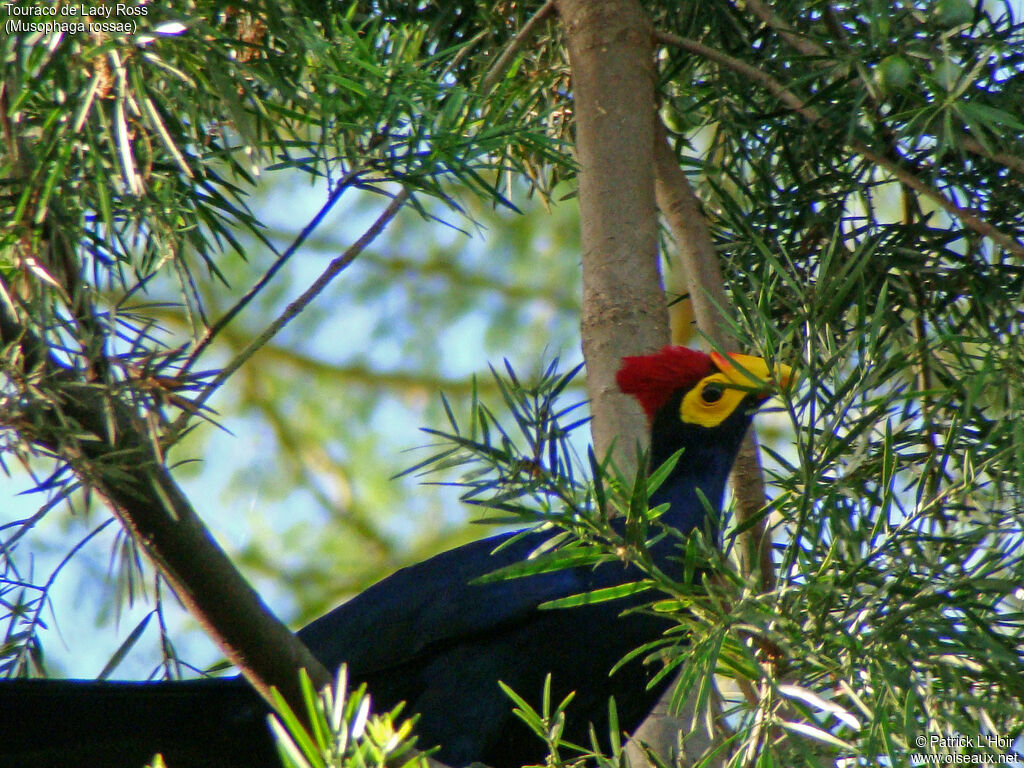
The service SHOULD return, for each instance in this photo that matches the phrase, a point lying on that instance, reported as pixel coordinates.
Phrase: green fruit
(672, 118)
(894, 72)
(952, 13)
(947, 73)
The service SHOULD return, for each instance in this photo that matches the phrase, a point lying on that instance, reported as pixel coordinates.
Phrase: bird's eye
(711, 393)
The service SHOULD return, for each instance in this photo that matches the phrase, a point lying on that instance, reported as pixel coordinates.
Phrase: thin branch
(42, 601)
(559, 296)
(812, 49)
(772, 85)
(502, 63)
(230, 315)
(108, 437)
(293, 309)
(801, 43)
(681, 209)
(968, 217)
(1012, 162)
(400, 380)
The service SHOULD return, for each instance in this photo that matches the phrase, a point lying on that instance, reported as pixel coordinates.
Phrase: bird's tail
(193, 724)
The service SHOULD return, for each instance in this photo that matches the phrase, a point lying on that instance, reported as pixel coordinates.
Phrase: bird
(433, 635)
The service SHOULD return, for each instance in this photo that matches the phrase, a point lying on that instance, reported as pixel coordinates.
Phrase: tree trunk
(624, 306)
(611, 55)
(113, 452)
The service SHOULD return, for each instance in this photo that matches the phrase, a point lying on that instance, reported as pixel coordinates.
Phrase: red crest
(652, 379)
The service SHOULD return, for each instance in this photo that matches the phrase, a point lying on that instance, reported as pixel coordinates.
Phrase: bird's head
(700, 403)
(704, 390)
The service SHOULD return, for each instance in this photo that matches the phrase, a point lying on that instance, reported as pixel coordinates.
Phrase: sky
(347, 331)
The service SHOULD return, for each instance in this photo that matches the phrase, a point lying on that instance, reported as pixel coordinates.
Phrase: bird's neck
(696, 483)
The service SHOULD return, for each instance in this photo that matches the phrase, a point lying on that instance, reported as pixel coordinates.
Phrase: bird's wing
(436, 603)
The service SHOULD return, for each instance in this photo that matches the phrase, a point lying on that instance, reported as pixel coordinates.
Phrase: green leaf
(598, 595)
(558, 560)
(125, 647)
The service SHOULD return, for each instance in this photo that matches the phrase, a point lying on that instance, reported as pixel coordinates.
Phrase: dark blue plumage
(433, 637)
(429, 636)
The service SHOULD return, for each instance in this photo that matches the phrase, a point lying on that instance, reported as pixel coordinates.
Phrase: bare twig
(108, 435)
(968, 217)
(801, 43)
(502, 63)
(293, 309)
(772, 85)
(227, 317)
(681, 209)
(1012, 162)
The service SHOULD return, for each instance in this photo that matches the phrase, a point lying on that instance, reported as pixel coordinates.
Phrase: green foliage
(956, 131)
(897, 516)
(342, 732)
(171, 127)
(870, 237)
(130, 166)
(528, 468)
(549, 725)
(897, 612)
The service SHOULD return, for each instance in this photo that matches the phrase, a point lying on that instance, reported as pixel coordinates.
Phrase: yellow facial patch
(715, 397)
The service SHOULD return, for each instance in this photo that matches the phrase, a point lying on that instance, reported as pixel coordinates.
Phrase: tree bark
(624, 313)
(681, 208)
(113, 452)
(624, 308)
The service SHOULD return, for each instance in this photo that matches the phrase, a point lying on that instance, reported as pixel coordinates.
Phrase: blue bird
(435, 637)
